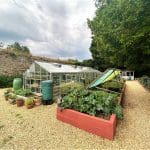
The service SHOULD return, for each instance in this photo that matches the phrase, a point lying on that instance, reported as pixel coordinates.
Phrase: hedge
(7, 81)
(145, 81)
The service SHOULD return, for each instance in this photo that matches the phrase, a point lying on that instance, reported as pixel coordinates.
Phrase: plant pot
(12, 101)
(6, 98)
(30, 106)
(19, 103)
(38, 103)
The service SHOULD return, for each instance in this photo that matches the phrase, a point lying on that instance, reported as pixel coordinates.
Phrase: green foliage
(8, 92)
(91, 102)
(145, 80)
(7, 81)
(118, 111)
(12, 96)
(66, 88)
(121, 35)
(16, 49)
(23, 92)
(113, 85)
(29, 101)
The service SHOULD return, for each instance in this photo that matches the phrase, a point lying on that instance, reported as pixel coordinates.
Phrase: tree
(121, 34)
(25, 49)
(17, 48)
(1, 44)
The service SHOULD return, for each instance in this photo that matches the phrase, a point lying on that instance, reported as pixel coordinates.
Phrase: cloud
(49, 28)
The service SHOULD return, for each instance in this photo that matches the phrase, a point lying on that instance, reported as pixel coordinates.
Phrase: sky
(51, 28)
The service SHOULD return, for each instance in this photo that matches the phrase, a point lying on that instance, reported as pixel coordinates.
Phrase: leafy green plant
(113, 85)
(66, 88)
(118, 111)
(7, 93)
(13, 96)
(23, 92)
(29, 101)
(92, 102)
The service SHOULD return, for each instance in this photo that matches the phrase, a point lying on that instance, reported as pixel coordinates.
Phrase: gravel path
(22, 129)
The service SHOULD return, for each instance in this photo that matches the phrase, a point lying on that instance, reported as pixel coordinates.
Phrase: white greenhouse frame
(58, 73)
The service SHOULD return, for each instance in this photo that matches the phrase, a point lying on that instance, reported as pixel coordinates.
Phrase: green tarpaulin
(106, 77)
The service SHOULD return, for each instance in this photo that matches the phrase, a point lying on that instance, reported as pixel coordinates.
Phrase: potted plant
(29, 102)
(12, 99)
(23, 92)
(37, 101)
(19, 102)
(7, 94)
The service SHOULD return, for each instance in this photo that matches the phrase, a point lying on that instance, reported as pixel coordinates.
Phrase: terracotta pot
(6, 98)
(19, 103)
(30, 106)
(38, 103)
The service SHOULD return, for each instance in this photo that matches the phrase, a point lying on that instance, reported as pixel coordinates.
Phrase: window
(128, 73)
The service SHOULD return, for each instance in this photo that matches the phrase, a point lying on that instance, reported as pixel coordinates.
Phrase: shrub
(145, 80)
(92, 102)
(7, 81)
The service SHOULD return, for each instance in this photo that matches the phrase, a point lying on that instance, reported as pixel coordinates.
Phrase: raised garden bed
(121, 98)
(92, 124)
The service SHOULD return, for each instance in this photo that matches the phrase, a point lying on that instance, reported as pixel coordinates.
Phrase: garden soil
(38, 128)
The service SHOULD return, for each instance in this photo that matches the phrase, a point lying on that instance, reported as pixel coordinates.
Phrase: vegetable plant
(68, 87)
(92, 102)
(29, 101)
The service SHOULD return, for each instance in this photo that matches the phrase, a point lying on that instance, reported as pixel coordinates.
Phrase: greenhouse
(58, 73)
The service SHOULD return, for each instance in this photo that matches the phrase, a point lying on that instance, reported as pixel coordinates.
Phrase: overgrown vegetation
(7, 81)
(92, 102)
(145, 80)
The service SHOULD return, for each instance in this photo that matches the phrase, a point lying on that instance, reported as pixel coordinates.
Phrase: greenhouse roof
(63, 68)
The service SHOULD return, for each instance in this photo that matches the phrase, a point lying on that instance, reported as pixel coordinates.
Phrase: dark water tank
(47, 92)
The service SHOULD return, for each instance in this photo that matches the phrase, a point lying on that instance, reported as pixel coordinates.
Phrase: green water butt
(17, 84)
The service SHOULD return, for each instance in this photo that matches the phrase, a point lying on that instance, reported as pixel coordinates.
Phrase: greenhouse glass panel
(58, 73)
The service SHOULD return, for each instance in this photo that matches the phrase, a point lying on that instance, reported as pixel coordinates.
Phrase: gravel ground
(37, 128)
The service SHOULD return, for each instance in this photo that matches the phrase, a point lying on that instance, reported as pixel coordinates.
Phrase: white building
(128, 75)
